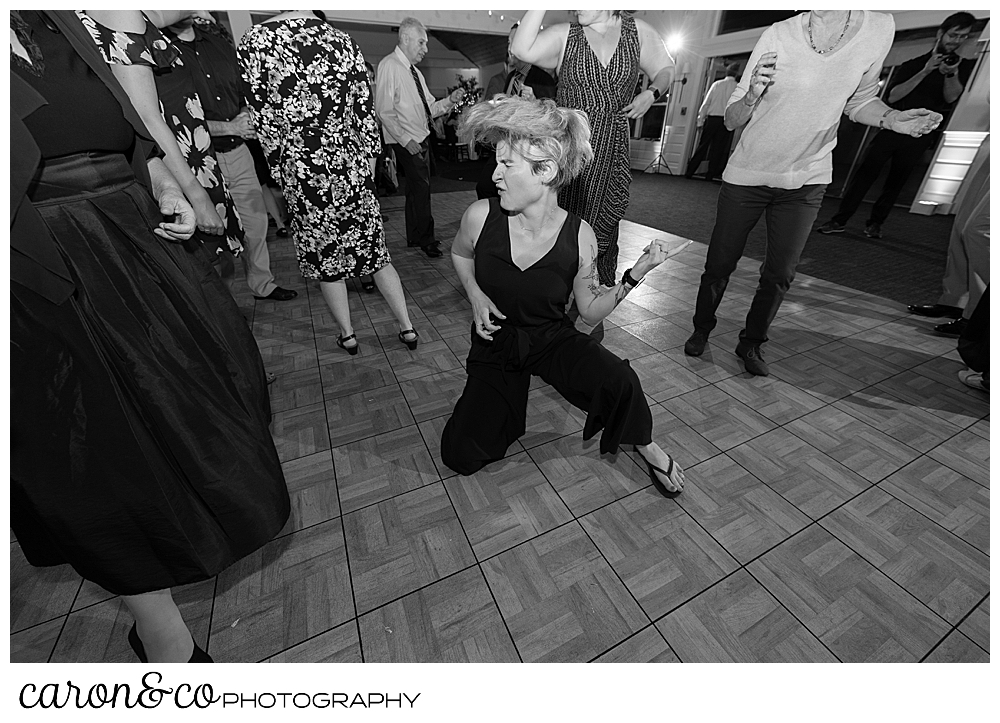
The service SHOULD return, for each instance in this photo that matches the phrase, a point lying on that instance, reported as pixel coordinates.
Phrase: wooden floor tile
(718, 417)
(367, 414)
(284, 331)
(584, 478)
(312, 488)
(300, 432)
(434, 395)
(289, 357)
(745, 515)
(982, 428)
(796, 338)
(625, 345)
(968, 453)
(855, 610)
(291, 390)
(430, 358)
(340, 645)
(911, 425)
(663, 378)
(858, 446)
(354, 377)
(955, 502)
(452, 323)
(902, 335)
(90, 594)
(809, 374)
(383, 466)
(957, 648)
(505, 504)
(451, 621)
(629, 313)
(854, 362)
(35, 644)
(737, 621)
(715, 364)
(459, 345)
(809, 479)
(660, 553)
(549, 417)
(290, 590)
(404, 543)
(658, 333)
(39, 594)
(960, 407)
(646, 646)
(777, 400)
(936, 567)
(977, 626)
(835, 321)
(560, 599)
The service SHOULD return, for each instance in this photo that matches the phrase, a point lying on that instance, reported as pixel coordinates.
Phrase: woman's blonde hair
(560, 135)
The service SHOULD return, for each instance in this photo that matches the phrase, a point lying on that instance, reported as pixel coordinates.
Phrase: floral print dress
(313, 109)
(181, 108)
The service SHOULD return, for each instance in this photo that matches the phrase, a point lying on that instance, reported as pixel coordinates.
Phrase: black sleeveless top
(533, 300)
(537, 295)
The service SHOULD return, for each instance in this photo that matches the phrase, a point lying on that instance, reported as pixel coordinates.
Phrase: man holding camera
(934, 81)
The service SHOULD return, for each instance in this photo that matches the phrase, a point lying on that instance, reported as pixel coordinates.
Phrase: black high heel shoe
(411, 344)
(368, 286)
(197, 655)
(653, 469)
(352, 350)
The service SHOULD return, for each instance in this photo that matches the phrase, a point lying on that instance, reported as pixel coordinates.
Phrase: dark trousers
(789, 215)
(490, 415)
(417, 169)
(903, 152)
(715, 141)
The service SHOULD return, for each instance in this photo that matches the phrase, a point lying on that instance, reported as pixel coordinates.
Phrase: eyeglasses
(958, 36)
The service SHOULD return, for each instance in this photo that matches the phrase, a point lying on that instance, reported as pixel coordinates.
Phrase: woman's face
(518, 185)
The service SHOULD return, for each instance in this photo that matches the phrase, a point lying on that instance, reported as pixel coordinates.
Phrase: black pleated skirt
(140, 449)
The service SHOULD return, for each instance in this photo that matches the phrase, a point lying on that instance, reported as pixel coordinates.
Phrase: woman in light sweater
(802, 75)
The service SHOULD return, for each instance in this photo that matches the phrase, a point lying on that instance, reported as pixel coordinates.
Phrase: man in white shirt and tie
(406, 109)
(711, 120)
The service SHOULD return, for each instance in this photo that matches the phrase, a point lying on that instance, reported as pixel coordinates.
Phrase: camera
(951, 58)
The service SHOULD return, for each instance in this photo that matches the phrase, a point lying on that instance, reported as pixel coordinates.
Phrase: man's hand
(945, 69)
(457, 95)
(639, 105)
(242, 126)
(173, 203)
(527, 93)
(933, 63)
(413, 147)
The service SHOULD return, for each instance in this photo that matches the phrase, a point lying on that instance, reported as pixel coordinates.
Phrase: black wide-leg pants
(490, 415)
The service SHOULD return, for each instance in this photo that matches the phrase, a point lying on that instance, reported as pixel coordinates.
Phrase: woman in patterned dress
(180, 110)
(597, 60)
(313, 110)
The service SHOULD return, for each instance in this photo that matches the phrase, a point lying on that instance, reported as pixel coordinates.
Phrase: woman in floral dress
(181, 109)
(312, 107)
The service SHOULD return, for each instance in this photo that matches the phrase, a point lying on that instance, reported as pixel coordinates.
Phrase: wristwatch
(656, 92)
(628, 280)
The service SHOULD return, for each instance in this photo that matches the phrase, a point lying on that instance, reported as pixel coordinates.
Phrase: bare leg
(388, 283)
(335, 296)
(164, 635)
(655, 455)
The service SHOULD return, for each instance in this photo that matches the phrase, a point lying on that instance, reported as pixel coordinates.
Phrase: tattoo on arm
(593, 283)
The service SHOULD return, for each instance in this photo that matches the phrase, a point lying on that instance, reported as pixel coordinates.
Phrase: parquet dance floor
(836, 510)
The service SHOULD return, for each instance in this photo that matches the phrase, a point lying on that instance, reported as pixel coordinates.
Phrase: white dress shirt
(716, 99)
(398, 104)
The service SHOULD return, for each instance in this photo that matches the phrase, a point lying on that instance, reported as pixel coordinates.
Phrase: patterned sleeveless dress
(599, 195)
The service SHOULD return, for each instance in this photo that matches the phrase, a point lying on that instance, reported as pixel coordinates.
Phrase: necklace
(533, 231)
(842, 34)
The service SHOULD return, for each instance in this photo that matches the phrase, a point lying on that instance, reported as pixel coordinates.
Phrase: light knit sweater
(789, 140)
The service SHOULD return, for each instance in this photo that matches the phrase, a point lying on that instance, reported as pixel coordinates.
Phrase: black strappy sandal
(411, 345)
(368, 286)
(352, 350)
(653, 469)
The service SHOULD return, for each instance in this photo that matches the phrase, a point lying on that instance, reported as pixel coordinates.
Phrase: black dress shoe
(433, 251)
(952, 328)
(279, 294)
(197, 655)
(935, 311)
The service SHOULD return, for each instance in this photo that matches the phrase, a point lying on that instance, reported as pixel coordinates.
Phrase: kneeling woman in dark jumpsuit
(519, 257)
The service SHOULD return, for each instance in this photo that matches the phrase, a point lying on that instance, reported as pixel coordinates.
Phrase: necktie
(423, 98)
(516, 83)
